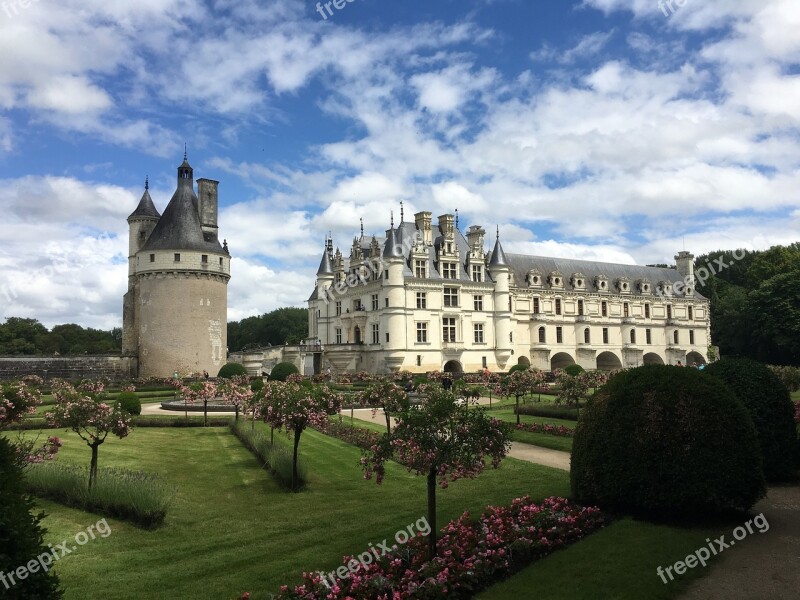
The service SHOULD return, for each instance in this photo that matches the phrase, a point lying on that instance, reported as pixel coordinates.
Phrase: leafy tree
(774, 313)
(387, 395)
(201, 391)
(517, 384)
(236, 392)
(440, 439)
(84, 411)
(281, 326)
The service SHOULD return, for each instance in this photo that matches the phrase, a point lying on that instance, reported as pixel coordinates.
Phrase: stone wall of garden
(72, 368)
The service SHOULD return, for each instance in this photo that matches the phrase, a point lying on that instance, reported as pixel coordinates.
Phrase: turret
(393, 262)
(501, 272)
(141, 223)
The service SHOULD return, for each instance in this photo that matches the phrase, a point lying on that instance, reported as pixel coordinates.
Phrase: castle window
(419, 360)
(587, 335)
(220, 262)
(478, 330)
(422, 333)
(449, 270)
(420, 269)
(142, 236)
(386, 302)
(338, 309)
(669, 311)
(559, 335)
(691, 338)
(484, 362)
(477, 273)
(376, 333)
(648, 338)
(477, 303)
(449, 329)
(633, 336)
(605, 335)
(542, 335)
(646, 311)
(375, 303)
(580, 308)
(204, 259)
(558, 306)
(691, 313)
(422, 300)
(604, 308)
(451, 297)
(152, 258)
(338, 335)
(387, 337)
(675, 336)
(626, 309)
(177, 257)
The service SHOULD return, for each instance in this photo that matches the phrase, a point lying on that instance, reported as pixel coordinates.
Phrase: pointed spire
(147, 182)
(145, 209)
(362, 227)
(392, 221)
(402, 213)
(391, 249)
(498, 256)
(457, 229)
(185, 152)
(325, 265)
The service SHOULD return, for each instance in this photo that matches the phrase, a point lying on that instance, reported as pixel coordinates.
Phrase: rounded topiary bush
(257, 384)
(770, 406)
(573, 370)
(281, 371)
(666, 441)
(130, 402)
(517, 368)
(230, 370)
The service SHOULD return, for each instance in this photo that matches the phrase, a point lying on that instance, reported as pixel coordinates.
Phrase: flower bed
(472, 554)
(559, 430)
(357, 436)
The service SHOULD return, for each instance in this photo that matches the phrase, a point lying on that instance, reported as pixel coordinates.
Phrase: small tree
(85, 412)
(440, 439)
(17, 399)
(236, 392)
(296, 408)
(572, 388)
(387, 395)
(516, 384)
(201, 391)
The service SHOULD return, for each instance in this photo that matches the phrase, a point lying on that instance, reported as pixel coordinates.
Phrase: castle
(175, 312)
(426, 298)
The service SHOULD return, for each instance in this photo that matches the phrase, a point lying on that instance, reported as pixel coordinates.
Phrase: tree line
(281, 326)
(20, 336)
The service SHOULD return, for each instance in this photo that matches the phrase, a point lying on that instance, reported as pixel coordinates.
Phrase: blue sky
(615, 130)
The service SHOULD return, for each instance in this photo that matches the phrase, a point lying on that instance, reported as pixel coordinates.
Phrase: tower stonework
(175, 312)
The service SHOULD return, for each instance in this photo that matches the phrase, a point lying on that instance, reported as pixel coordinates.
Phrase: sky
(616, 130)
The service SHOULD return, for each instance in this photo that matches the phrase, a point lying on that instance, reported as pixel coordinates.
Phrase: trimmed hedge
(546, 410)
(666, 441)
(21, 532)
(276, 459)
(573, 370)
(230, 370)
(281, 371)
(770, 406)
(130, 402)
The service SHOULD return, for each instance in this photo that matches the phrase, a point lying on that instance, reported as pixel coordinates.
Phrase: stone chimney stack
(207, 190)
(685, 262)
(476, 236)
(424, 222)
(447, 225)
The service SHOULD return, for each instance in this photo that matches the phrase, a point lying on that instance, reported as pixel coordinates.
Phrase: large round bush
(230, 370)
(281, 371)
(666, 441)
(574, 370)
(130, 402)
(770, 406)
(517, 368)
(21, 532)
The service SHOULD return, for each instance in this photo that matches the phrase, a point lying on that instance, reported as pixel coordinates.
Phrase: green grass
(796, 396)
(545, 440)
(618, 562)
(232, 528)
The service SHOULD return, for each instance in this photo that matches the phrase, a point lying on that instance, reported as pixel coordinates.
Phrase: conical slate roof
(325, 265)
(392, 249)
(498, 256)
(146, 208)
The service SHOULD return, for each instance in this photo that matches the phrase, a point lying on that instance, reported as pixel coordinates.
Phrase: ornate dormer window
(601, 283)
(578, 281)
(556, 279)
(624, 285)
(534, 278)
(688, 291)
(644, 286)
(665, 288)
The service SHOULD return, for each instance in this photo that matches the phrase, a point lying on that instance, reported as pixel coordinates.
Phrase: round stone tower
(175, 313)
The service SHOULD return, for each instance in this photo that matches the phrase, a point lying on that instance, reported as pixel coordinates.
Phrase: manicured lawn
(233, 529)
(544, 440)
(618, 562)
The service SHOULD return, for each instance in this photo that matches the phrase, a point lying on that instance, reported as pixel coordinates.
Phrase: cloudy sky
(618, 130)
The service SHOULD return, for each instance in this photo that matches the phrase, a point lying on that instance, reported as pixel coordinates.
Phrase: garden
(261, 504)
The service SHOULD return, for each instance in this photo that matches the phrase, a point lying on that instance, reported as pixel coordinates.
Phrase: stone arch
(696, 358)
(608, 361)
(561, 360)
(651, 358)
(453, 366)
(524, 360)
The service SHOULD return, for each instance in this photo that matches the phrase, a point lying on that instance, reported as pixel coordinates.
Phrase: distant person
(329, 373)
(205, 374)
(447, 383)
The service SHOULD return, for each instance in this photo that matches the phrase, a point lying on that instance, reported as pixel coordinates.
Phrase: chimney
(446, 225)
(424, 223)
(475, 237)
(685, 262)
(207, 190)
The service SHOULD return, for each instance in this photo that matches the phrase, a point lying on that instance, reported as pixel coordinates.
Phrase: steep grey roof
(522, 264)
(179, 228)
(499, 258)
(325, 265)
(392, 248)
(146, 208)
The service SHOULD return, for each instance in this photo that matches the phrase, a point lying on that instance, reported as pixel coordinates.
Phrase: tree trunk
(205, 413)
(297, 433)
(272, 436)
(432, 512)
(517, 410)
(253, 426)
(237, 413)
(388, 421)
(93, 467)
